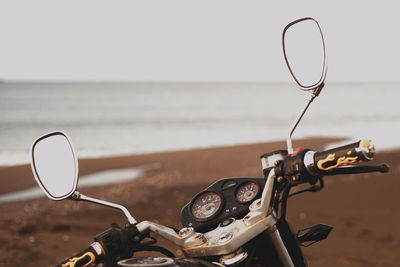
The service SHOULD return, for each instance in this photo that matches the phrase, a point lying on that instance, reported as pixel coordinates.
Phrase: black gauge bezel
(212, 216)
(240, 186)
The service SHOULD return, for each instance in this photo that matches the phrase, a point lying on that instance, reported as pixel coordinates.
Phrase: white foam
(114, 119)
(92, 180)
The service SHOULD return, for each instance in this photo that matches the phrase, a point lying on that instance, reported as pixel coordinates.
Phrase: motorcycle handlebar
(111, 244)
(326, 161)
(306, 165)
(86, 257)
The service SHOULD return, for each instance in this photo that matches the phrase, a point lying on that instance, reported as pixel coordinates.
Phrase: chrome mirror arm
(312, 96)
(81, 197)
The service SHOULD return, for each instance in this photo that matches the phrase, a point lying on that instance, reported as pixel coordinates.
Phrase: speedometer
(206, 206)
(247, 192)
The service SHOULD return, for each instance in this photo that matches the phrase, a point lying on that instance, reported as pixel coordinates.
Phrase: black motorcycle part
(86, 257)
(162, 250)
(327, 160)
(262, 252)
(117, 243)
(291, 243)
(293, 170)
(313, 234)
(163, 262)
(358, 169)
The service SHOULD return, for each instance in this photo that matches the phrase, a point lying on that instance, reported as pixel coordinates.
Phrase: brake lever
(352, 169)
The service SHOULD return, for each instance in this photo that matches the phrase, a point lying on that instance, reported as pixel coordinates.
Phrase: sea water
(105, 119)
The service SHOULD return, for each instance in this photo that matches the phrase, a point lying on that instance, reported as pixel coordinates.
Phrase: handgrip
(307, 165)
(85, 258)
(362, 150)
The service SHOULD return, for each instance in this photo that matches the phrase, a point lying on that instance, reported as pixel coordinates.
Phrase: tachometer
(206, 206)
(247, 192)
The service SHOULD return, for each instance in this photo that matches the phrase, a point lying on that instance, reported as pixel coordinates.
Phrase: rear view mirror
(305, 55)
(54, 165)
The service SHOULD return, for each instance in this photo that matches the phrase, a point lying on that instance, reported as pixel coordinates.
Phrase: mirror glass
(304, 51)
(54, 165)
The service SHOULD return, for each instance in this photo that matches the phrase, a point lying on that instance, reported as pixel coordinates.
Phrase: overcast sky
(190, 40)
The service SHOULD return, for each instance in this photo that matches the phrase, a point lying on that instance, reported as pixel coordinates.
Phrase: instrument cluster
(226, 198)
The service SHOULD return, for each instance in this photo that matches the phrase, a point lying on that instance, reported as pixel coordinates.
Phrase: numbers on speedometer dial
(247, 192)
(206, 206)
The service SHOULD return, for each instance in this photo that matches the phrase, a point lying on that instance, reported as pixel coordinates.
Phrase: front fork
(268, 162)
(280, 248)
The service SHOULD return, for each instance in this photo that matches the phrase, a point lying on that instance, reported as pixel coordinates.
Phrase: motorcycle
(239, 221)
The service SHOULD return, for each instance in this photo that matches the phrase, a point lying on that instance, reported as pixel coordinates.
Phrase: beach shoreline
(362, 208)
(106, 119)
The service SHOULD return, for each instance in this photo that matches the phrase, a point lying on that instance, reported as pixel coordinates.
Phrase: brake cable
(148, 246)
(313, 188)
(162, 250)
(283, 200)
(286, 194)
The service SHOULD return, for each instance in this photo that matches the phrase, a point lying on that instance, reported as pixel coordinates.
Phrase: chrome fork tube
(280, 247)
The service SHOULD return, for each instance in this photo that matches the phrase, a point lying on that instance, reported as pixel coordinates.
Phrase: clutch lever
(353, 169)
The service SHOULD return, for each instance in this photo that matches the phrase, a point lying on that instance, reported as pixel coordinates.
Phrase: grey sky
(190, 40)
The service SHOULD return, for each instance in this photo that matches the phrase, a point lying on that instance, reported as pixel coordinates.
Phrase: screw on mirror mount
(313, 94)
(81, 197)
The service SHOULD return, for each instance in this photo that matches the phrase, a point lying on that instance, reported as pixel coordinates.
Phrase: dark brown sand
(364, 209)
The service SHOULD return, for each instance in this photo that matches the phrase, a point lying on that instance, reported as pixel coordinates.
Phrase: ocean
(106, 119)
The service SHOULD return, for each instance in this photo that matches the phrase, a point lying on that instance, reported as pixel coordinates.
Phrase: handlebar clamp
(293, 169)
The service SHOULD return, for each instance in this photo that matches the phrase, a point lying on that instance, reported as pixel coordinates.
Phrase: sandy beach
(363, 209)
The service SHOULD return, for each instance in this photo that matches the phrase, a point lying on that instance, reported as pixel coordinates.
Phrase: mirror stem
(318, 90)
(81, 197)
(296, 122)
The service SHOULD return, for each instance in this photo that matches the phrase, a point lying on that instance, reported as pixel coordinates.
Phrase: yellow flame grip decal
(73, 261)
(331, 158)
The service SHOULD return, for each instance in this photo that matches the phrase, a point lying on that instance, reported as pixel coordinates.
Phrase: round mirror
(304, 51)
(54, 165)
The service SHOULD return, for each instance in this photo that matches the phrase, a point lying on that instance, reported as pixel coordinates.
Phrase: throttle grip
(85, 258)
(325, 161)
(307, 165)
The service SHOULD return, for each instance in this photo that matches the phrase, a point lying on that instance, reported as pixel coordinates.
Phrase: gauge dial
(206, 206)
(247, 192)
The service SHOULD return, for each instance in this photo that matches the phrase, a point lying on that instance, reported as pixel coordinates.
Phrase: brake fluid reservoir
(269, 160)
